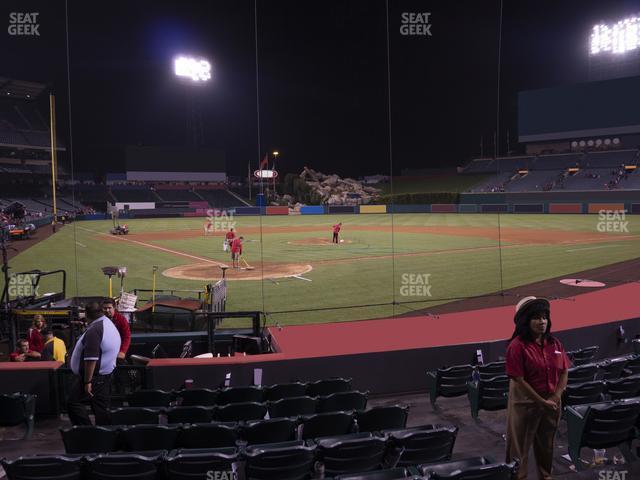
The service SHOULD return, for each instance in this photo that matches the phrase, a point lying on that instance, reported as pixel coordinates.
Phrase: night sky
(322, 76)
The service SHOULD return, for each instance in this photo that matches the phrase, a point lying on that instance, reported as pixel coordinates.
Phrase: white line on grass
(301, 278)
(588, 248)
(82, 245)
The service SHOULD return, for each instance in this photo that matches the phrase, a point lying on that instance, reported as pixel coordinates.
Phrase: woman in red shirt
(36, 342)
(537, 364)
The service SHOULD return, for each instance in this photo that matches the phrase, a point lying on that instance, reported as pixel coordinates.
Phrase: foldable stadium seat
(343, 401)
(190, 464)
(361, 452)
(123, 466)
(633, 365)
(149, 398)
(583, 356)
(425, 444)
(322, 388)
(197, 396)
(292, 407)
(288, 461)
(626, 387)
(149, 437)
(134, 416)
(16, 409)
(581, 393)
(269, 431)
(479, 468)
(189, 414)
(327, 424)
(490, 370)
(388, 474)
(602, 425)
(90, 439)
(239, 395)
(208, 435)
(50, 467)
(285, 390)
(488, 394)
(583, 373)
(382, 418)
(237, 412)
(448, 382)
(611, 369)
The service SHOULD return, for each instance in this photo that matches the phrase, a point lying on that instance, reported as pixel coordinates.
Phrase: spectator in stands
(93, 361)
(54, 348)
(34, 336)
(23, 353)
(538, 367)
(121, 323)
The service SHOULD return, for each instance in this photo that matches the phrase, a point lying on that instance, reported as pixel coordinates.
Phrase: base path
(209, 272)
(316, 241)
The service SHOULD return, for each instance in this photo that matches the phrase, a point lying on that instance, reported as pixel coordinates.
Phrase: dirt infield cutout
(316, 241)
(211, 272)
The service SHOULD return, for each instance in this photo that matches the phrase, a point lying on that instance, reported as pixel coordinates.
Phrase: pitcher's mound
(316, 241)
(212, 272)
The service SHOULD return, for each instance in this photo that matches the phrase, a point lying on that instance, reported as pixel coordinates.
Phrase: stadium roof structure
(20, 89)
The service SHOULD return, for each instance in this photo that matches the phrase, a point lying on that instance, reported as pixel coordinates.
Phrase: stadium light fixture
(198, 70)
(617, 38)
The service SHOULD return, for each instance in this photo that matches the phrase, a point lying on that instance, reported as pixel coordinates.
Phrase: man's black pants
(99, 402)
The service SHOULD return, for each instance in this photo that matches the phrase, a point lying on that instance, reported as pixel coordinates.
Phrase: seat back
(490, 370)
(610, 424)
(268, 431)
(627, 387)
(388, 474)
(495, 471)
(343, 401)
(444, 468)
(122, 466)
(285, 390)
(581, 393)
(584, 355)
(207, 435)
(16, 408)
(191, 464)
(493, 392)
(51, 467)
(90, 439)
(239, 395)
(351, 455)
(236, 412)
(582, 374)
(273, 463)
(134, 416)
(382, 418)
(329, 386)
(611, 370)
(149, 398)
(189, 414)
(327, 424)
(293, 407)
(197, 396)
(633, 364)
(149, 437)
(424, 445)
(452, 381)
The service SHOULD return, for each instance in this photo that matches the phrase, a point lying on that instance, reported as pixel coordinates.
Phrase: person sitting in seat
(54, 348)
(23, 353)
(36, 342)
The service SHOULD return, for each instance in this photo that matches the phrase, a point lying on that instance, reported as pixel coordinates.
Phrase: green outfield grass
(368, 270)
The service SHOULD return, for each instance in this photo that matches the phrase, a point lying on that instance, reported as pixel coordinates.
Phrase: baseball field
(299, 276)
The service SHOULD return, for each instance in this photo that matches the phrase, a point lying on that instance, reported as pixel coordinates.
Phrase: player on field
(236, 251)
(228, 238)
(336, 232)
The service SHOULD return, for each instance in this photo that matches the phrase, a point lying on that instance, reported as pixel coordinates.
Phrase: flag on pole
(265, 162)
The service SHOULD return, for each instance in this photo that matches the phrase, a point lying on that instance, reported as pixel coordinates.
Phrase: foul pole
(54, 154)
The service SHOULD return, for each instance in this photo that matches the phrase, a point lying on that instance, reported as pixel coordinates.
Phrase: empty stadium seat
(424, 444)
(633, 365)
(602, 425)
(322, 388)
(197, 396)
(90, 439)
(269, 431)
(134, 416)
(285, 390)
(293, 407)
(239, 395)
(50, 467)
(289, 461)
(611, 369)
(479, 468)
(208, 435)
(16, 409)
(626, 387)
(149, 437)
(122, 466)
(343, 401)
(584, 355)
(448, 382)
(189, 414)
(149, 398)
(490, 370)
(488, 394)
(236, 412)
(387, 474)
(581, 393)
(583, 373)
(353, 453)
(327, 424)
(382, 418)
(188, 464)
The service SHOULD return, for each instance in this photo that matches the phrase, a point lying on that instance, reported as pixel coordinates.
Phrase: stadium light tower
(193, 72)
(198, 70)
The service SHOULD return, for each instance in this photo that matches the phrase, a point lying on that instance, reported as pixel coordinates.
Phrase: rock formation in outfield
(333, 190)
